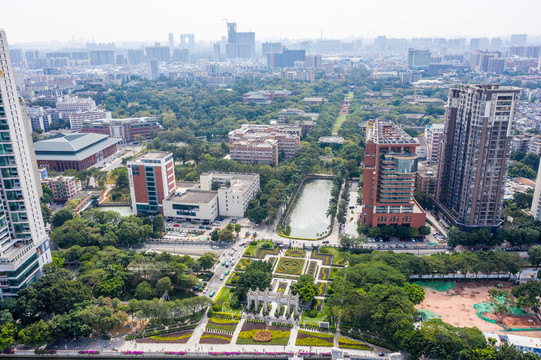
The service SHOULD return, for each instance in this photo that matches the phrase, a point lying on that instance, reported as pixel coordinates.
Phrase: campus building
(152, 179)
(390, 165)
(264, 144)
(216, 194)
(78, 118)
(433, 137)
(474, 155)
(24, 243)
(74, 151)
(128, 130)
(64, 187)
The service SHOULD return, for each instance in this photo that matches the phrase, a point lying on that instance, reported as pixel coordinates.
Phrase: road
(353, 210)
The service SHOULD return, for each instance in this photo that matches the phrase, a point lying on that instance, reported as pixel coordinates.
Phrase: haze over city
(140, 20)
(279, 180)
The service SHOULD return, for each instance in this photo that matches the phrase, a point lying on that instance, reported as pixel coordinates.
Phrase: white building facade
(24, 243)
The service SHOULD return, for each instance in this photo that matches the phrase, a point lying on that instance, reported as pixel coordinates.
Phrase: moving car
(212, 293)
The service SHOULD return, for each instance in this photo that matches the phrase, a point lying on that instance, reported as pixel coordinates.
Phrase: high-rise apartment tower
(474, 154)
(24, 244)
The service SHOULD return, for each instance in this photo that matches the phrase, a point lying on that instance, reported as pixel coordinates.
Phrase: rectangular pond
(308, 218)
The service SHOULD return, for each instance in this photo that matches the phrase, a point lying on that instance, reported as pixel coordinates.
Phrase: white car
(205, 290)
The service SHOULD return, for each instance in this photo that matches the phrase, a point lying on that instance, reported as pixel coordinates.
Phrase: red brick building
(129, 130)
(152, 179)
(390, 165)
(74, 151)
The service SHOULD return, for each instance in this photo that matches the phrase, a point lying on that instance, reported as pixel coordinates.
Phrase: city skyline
(59, 20)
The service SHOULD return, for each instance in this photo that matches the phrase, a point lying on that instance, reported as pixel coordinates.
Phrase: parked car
(212, 293)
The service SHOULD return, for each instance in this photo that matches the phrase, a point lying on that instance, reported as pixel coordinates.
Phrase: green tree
(47, 196)
(206, 261)
(60, 217)
(37, 334)
(238, 229)
(225, 235)
(144, 291)
(305, 287)
(158, 225)
(257, 275)
(534, 255)
(46, 213)
(7, 335)
(163, 285)
(257, 214)
(415, 293)
(214, 235)
(122, 180)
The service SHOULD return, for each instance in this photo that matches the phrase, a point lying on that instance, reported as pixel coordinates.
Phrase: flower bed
(243, 263)
(333, 273)
(222, 324)
(132, 353)
(321, 288)
(324, 273)
(89, 352)
(280, 334)
(282, 287)
(352, 344)
(326, 259)
(262, 253)
(213, 338)
(295, 253)
(307, 338)
(173, 338)
(290, 266)
(312, 267)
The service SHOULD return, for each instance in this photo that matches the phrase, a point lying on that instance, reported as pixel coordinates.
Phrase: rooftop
(151, 155)
(191, 196)
(386, 132)
(72, 147)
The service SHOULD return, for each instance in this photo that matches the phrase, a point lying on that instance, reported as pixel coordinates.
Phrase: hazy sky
(141, 20)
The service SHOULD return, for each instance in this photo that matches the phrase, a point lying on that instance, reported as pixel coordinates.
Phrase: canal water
(308, 217)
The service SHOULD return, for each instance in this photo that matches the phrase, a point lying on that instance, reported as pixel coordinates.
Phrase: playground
(468, 304)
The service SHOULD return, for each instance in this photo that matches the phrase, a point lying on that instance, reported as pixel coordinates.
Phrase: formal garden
(290, 266)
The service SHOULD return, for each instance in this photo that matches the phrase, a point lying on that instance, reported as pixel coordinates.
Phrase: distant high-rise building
(190, 44)
(217, 52)
(16, 56)
(433, 137)
(271, 47)
(136, 57)
(496, 66)
(479, 44)
(313, 61)
(152, 70)
(390, 165)
(518, 39)
(102, 57)
(419, 59)
(239, 44)
(171, 42)
(160, 53)
(24, 244)
(474, 154)
(31, 56)
(495, 43)
(181, 55)
(380, 43)
(285, 59)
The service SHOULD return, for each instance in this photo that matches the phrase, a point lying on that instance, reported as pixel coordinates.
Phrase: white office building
(235, 190)
(24, 244)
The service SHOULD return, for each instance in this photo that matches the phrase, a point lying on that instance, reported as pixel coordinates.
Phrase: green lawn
(321, 316)
(338, 123)
(223, 298)
(290, 266)
(338, 258)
